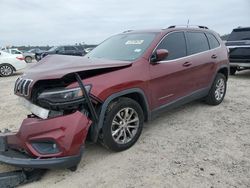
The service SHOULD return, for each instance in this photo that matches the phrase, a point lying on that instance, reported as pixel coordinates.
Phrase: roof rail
(187, 26)
(202, 27)
(127, 31)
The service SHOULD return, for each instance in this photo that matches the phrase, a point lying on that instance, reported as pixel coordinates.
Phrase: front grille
(22, 86)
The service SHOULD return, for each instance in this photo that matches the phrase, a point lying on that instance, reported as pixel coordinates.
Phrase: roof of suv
(171, 28)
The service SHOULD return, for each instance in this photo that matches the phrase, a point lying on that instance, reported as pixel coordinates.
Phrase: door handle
(214, 56)
(187, 64)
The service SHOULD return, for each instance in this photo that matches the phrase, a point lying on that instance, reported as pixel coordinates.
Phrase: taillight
(20, 58)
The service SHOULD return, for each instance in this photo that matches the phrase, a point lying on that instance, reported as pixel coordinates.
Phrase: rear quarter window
(197, 42)
(213, 42)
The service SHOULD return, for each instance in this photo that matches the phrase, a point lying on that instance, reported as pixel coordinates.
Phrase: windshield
(53, 49)
(124, 47)
(240, 34)
(31, 50)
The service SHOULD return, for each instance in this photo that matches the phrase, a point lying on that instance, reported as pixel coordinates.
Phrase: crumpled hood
(56, 66)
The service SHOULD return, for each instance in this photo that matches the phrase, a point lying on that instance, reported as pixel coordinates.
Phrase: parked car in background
(30, 55)
(9, 63)
(109, 94)
(62, 50)
(34, 50)
(12, 50)
(238, 44)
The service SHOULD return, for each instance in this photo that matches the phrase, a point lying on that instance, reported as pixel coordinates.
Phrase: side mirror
(159, 55)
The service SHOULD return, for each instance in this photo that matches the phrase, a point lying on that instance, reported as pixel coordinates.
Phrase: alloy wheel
(6, 70)
(125, 125)
(219, 89)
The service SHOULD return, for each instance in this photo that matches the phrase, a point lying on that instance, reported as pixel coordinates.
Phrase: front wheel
(218, 90)
(6, 70)
(123, 124)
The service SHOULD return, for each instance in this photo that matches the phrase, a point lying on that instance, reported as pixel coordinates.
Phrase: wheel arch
(136, 94)
(138, 97)
(224, 70)
(9, 65)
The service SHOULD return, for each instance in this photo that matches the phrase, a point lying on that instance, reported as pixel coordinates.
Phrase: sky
(60, 22)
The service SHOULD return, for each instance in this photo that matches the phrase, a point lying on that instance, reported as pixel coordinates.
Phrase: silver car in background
(30, 55)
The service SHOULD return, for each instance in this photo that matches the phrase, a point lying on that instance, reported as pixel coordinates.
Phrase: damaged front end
(53, 136)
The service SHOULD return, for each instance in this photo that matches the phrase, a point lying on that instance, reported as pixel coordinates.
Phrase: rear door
(171, 78)
(203, 60)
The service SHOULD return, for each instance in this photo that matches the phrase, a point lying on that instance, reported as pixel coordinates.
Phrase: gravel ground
(195, 145)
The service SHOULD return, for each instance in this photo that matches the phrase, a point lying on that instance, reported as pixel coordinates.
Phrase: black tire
(233, 70)
(28, 59)
(112, 112)
(6, 70)
(37, 57)
(212, 99)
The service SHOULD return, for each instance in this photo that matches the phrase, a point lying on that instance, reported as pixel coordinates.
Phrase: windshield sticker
(137, 50)
(134, 42)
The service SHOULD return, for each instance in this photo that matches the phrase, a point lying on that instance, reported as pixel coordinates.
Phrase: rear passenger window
(69, 48)
(213, 42)
(197, 42)
(175, 44)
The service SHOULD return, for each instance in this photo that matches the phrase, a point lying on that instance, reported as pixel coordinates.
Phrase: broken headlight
(62, 98)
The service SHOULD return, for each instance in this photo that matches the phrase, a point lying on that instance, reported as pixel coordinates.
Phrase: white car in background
(9, 63)
(12, 50)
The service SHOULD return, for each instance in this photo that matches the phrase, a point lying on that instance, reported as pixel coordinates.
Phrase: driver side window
(175, 43)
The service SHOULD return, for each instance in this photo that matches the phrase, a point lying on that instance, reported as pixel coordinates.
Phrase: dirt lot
(195, 145)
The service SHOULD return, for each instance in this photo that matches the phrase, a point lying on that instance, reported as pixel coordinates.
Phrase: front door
(171, 78)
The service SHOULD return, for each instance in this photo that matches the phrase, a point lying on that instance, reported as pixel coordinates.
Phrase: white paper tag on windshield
(134, 42)
(137, 50)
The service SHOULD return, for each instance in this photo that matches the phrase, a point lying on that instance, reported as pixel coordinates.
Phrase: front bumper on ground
(18, 159)
(67, 133)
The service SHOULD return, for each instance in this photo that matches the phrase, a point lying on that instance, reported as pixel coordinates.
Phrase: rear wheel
(233, 70)
(123, 124)
(28, 59)
(6, 70)
(217, 91)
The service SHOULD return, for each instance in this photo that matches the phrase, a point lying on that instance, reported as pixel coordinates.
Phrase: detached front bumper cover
(18, 159)
(67, 132)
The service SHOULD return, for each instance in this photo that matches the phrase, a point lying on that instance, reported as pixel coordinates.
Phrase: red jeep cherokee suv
(108, 94)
